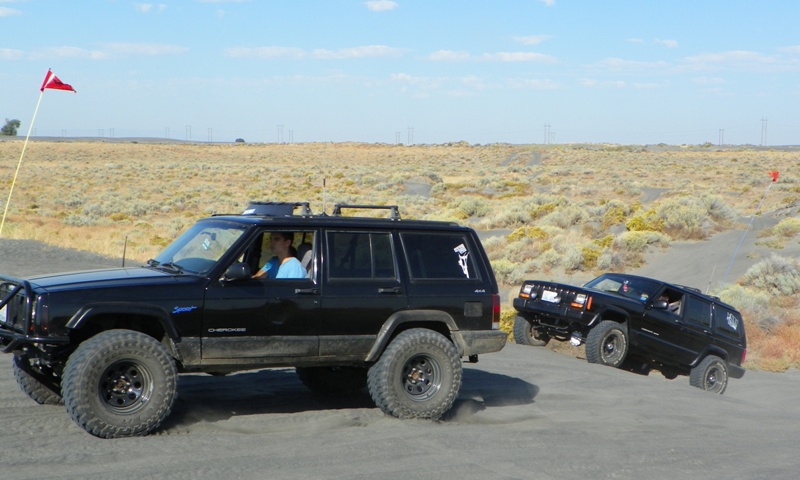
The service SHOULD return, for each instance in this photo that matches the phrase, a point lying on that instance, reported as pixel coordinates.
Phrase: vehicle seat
(305, 254)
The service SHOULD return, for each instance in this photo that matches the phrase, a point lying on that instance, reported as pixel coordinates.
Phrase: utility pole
(763, 131)
(721, 135)
(546, 133)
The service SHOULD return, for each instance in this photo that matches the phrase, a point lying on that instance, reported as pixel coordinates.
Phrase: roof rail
(277, 209)
(395, 212)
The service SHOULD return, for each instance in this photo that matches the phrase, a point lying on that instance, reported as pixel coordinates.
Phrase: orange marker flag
(774, 175)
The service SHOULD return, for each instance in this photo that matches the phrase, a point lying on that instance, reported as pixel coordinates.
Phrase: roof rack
(277, 209)
(395, 212)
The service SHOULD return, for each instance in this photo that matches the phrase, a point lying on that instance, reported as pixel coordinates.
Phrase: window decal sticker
(463, 254)
(733, 321)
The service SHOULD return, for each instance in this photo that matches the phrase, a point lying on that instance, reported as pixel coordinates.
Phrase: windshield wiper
(171, 266)
(153, 263)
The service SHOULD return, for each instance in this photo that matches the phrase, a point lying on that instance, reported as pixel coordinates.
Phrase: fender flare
(391, 325)
(87, 312)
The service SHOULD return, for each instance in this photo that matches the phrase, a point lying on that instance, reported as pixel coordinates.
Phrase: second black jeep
(635, 322)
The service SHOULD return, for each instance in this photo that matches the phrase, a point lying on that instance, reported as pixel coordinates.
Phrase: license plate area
(550, 296)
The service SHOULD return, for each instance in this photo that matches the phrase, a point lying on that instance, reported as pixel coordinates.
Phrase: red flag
(51, 81)
(774, 175)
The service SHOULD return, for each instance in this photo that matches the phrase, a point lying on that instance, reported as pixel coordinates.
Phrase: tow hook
(576, 339)
(473, 359)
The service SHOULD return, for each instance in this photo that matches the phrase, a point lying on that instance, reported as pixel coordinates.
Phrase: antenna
(323, 195)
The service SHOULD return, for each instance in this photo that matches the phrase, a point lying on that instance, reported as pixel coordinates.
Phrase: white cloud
(358, 52)
(148, 7)
(667, 43)
(708, 80)
(460, 56)
(534, 84)
(448, 56)
(517, 57)
(149, 49)
(548, 3)
(367, 51)
(591, 83)
(11, 54)
(790, 49)
(265, 52)
(9, 12)
(532, 39)
(619, 64)
(381, 5)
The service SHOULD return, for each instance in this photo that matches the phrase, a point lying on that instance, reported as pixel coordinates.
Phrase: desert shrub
(639, 241)
(535, 233)
(565, 217)
(686, 217)
(550, 258)
(471, 206)
(573, 258)
(776, 275)
(503, 269)
(609, 260)
(645, 221)
(788, 227)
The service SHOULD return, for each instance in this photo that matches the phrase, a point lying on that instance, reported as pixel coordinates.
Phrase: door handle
(389, 290)
(307, 291)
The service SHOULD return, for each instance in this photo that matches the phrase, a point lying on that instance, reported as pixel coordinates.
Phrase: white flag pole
(24, 146)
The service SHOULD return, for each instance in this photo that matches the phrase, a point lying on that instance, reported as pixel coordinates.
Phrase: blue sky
(421, 71)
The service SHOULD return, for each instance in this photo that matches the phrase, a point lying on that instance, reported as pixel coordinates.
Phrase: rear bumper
(735, 371)
(480, 341)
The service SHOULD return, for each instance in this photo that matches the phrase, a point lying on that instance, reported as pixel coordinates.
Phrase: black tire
(607, 344)
(333, 380)
(119, 383)
(38, 382)
(418, 375)
(710, 375)
(526, 334)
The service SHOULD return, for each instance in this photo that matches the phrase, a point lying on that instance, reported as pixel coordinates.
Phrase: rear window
(439, 256)
(728, 321)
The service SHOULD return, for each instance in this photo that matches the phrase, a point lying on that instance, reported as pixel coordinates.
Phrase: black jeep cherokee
(386, 303)
(635, 323)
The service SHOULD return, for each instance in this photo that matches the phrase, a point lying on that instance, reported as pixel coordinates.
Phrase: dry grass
(561, 208)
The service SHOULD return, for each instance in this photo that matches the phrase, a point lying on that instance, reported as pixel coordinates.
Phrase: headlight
(582, 300)
(526, 291)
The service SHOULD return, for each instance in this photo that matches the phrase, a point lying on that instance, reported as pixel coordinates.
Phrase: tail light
(495, 311)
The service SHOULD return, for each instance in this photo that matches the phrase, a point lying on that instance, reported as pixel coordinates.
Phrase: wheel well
(140, 323)
(438, 327)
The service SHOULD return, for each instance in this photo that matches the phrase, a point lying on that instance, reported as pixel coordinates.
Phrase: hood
(105, 278)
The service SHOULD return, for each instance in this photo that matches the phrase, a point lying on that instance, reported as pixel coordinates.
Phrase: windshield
(199, 248)
(632, 287)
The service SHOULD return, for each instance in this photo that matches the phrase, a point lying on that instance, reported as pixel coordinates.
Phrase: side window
(439, 255)
(363, 255)
(282, 254)
(697, 310)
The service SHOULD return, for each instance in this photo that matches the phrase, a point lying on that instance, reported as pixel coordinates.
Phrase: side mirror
(660, 304)
(237, 271)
